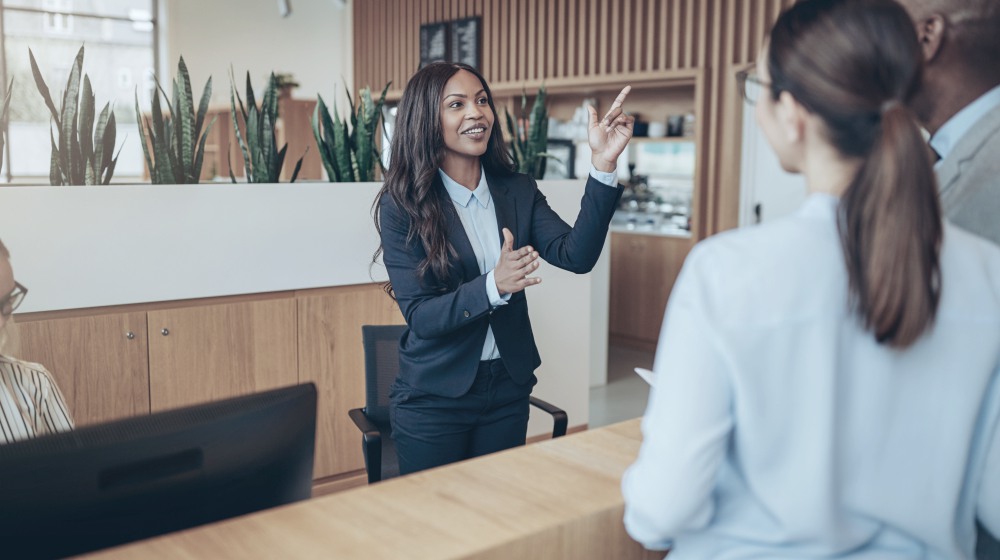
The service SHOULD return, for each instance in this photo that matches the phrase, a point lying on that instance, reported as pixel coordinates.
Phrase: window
(120, 51)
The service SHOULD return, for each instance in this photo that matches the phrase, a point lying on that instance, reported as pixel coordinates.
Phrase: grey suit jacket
(969, 179)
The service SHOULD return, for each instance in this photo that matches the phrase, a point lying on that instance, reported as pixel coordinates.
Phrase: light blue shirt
(952, 131)
(479, 219)
(778, 428)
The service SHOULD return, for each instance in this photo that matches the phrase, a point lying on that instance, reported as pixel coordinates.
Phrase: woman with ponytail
(826, 385)
(461, 235)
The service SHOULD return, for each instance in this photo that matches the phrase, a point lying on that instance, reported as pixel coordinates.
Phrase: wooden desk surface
(554, 499)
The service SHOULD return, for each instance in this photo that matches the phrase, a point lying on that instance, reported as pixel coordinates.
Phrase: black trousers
(430, 430)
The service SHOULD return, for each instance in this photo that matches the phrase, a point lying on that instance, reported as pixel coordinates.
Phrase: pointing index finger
(619, 101)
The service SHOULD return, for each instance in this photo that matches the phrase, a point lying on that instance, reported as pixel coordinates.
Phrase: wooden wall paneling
(103, 374)
(521, 38)
(220, 351)
(675, 34)
(331, 355)
(528, 46)
(551, 37)
(492, 40)
(612, 26)
(362, 62)
(652, 13)
(703, 131)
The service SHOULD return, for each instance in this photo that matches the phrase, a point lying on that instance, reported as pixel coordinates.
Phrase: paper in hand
(646, 374)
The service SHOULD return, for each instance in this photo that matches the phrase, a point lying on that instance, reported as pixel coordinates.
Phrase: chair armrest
(559, 418)
(371, 443)
(367, 427)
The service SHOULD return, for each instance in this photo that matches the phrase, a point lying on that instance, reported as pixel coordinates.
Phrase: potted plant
(77, 157)
(176, 139)
(350, 155)
(261, 158)
(529, 141)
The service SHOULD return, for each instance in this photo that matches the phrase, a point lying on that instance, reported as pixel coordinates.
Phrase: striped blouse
(30, 402)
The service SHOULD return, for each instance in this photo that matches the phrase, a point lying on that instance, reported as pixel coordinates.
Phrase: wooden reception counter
(554, 499)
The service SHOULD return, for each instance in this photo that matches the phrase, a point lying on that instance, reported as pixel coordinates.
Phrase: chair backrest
(381, 344)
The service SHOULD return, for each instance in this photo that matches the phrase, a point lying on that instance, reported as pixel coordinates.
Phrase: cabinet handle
(130, 335)
(164, 331)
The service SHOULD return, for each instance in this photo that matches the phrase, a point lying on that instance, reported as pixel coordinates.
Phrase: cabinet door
(200, 354)
(331, 355)
(101, 370)
(643, 271)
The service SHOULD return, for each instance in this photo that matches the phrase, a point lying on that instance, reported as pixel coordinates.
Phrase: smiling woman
(461, 234)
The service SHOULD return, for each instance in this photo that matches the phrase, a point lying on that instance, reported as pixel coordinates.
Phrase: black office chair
(381, 344)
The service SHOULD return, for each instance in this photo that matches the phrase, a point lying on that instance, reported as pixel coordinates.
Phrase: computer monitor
(112, 483)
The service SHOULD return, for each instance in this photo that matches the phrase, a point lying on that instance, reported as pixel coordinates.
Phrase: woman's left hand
(609, 137)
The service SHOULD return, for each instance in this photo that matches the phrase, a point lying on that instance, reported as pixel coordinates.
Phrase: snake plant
(261, 158)
(177, 152)
(529, 146)
(350, 156)
(82, 155)
(3, 120)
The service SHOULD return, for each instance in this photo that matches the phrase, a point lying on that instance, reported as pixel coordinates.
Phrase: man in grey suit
(958, 102)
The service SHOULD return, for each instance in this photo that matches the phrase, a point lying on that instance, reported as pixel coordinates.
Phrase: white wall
(315, 43)
(762, 180)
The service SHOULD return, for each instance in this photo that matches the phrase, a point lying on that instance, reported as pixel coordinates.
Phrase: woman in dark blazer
(461, 233)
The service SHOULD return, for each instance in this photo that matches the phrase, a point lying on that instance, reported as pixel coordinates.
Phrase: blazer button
(466, 313)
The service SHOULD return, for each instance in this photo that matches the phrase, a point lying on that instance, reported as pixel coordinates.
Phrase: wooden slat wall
(573, 45)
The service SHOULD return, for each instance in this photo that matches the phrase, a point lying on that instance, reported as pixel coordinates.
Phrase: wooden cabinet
(643, 270)
(331, 355)
(99, 363)
(173, 354)
(199, 354)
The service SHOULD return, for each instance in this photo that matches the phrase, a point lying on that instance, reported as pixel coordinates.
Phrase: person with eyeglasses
(30, 401)
(827, 385)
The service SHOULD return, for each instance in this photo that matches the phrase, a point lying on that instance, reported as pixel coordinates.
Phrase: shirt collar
(948, 136)
(463, 196)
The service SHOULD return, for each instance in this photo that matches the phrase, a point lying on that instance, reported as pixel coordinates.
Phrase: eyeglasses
(750, 86)
(12, 300)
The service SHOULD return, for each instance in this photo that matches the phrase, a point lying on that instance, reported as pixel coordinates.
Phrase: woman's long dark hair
(416, 154)
(855, 63)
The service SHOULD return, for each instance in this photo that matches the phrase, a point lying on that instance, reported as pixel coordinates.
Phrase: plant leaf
(43, 89)
(185, 121)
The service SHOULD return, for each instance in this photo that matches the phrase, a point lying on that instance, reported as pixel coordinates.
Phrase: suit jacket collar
(967, 148)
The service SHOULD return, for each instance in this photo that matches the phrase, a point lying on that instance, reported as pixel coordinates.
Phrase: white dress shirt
(778, 428)
(30, 402)
(480, 223)
(947, 137)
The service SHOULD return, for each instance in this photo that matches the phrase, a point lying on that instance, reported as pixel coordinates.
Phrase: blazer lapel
(505, 207)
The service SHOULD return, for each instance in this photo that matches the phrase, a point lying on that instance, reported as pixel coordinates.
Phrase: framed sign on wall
(433, 43)
(451, 41)
(465, 41)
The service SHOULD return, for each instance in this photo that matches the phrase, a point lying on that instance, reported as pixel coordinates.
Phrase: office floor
(625, 395)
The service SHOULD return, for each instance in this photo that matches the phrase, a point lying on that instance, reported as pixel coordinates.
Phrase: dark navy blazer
(440, 352)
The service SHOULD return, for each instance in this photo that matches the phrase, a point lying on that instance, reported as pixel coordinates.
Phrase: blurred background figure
(30, 402)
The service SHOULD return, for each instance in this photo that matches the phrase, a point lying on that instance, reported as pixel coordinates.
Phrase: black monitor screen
(112, 483)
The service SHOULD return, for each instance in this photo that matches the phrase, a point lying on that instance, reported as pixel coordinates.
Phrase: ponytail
(890, 229)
